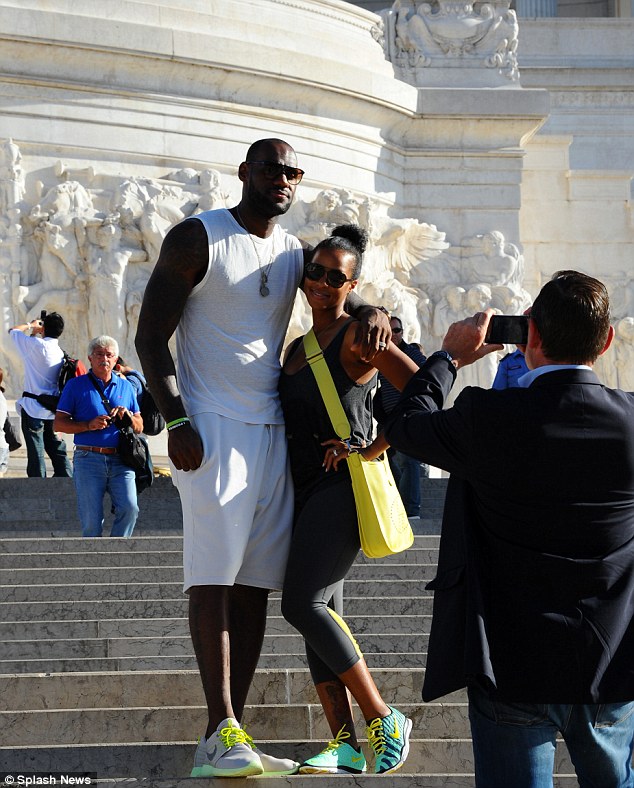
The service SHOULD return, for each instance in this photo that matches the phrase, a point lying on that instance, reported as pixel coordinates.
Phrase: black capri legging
(324, 546)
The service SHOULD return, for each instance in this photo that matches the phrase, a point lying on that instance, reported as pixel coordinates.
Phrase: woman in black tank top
(326, 535)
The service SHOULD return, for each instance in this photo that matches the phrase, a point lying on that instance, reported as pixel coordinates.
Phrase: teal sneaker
(338, 757)
(389, 739)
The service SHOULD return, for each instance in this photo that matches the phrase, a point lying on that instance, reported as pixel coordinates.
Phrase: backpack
(71, 368)
(153, 422)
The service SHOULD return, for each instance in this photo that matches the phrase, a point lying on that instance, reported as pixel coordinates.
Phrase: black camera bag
(132, 449)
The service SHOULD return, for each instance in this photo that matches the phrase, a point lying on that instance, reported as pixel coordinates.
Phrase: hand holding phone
(507, 330)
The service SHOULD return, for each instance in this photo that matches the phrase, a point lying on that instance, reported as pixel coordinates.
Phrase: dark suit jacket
(534, 596)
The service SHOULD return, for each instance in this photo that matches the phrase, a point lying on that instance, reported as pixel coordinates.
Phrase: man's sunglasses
(334, 278)
(273, 170)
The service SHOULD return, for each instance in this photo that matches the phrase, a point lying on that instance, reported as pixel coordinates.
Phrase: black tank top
(307, 421)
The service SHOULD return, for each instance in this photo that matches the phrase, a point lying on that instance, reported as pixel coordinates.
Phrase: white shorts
(238, 506)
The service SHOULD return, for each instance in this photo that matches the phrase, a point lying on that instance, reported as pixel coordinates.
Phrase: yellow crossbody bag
(383, 525)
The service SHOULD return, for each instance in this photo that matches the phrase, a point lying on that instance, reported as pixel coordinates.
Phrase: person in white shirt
(38, 345)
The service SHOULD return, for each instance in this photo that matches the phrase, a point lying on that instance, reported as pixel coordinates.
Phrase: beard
(262, 201)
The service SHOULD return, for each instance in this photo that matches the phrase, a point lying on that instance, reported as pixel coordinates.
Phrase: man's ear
(608, 341)
(242, 171)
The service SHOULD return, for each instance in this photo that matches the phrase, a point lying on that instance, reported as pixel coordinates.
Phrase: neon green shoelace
(230, 736)
(339, 739)
(376, 736)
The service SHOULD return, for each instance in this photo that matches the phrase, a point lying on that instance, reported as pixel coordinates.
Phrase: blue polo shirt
(81, 400)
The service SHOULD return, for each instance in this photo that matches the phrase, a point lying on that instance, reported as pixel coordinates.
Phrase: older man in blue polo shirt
(97, 467)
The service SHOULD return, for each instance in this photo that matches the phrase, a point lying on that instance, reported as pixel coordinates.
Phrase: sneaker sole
(279, 774)
(325, 770)
(251, 770)
(404, 751)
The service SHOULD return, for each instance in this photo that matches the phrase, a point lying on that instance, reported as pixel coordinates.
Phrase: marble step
(38, 561)
(282, 645)
(149, 723)
(179, 627)
(400, 779)
(174, 759)
(135, 688)
(78, 558)
(325, 781)
(384, 589)
(25, 553)
(394, 659)
(65, 609)
(15, 544)
(18, 543)
(38, 691)
(47, 561)
(166, 574)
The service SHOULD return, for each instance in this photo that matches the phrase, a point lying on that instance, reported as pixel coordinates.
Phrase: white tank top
(229, 339)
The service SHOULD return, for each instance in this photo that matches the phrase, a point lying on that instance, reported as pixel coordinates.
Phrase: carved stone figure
(212, 195)
(418, 36)
(450, 308)
(62, 286)
(11, 177)
(489, 258)
(106, 269)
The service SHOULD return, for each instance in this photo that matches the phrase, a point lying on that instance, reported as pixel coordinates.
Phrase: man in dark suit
(534, 596)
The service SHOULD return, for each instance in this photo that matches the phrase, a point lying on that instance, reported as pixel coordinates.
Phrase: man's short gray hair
(105, 342)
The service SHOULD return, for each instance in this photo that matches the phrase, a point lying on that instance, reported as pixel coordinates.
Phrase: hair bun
(357, 236)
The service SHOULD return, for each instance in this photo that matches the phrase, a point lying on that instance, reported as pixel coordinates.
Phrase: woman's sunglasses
(334, 278)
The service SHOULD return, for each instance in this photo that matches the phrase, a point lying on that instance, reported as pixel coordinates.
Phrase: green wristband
(176, 422)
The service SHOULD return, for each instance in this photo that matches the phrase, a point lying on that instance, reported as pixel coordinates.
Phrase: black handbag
(133, 449)
(11, 435)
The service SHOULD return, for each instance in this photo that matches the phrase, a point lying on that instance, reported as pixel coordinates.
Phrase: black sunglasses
(273, 170)
(397, 330)
(334, 278)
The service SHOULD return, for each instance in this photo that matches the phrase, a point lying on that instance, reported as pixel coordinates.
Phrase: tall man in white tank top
(225, 282)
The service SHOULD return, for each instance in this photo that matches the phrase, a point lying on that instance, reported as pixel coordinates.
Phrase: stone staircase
(97, 672)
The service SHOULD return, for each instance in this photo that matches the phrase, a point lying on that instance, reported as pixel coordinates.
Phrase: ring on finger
(382, 345)
(335, 452)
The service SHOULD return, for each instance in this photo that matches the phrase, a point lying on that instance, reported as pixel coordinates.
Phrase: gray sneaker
(226, 753)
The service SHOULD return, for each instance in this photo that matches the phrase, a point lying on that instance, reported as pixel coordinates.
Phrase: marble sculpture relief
(87, 245)
(419, 36)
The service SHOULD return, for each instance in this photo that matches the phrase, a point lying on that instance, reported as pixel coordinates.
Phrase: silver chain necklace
(265, 269)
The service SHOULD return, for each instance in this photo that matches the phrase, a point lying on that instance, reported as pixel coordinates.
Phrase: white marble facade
(476, 176)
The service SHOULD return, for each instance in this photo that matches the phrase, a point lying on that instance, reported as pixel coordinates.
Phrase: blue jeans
(406, 472)
(96, 474)
(39, 437)
(514, 743)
